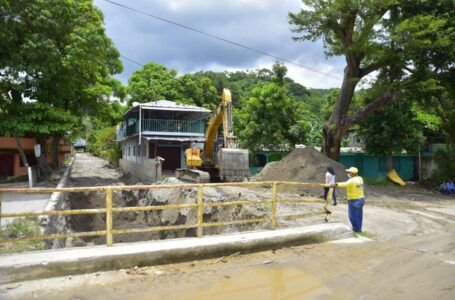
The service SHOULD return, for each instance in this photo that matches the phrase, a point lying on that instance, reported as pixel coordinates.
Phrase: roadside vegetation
(21, 228)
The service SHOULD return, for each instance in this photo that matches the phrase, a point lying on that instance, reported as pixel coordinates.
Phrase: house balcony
(164, 127)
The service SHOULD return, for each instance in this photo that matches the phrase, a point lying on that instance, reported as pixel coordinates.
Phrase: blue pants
(334, 196)
(355, 212)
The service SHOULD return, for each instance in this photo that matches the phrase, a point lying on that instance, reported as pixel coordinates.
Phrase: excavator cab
(193, 158)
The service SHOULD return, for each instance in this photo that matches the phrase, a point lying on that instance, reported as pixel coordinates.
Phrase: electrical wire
(218, 38)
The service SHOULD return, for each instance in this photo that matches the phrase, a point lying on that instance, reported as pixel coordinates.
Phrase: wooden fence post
(200, 212)
(109, 238)
(1, 200)
(273, 223)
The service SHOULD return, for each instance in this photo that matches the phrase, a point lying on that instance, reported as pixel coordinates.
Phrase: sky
(259, 24)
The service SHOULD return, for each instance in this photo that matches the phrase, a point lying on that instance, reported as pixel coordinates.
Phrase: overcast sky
(260, 24)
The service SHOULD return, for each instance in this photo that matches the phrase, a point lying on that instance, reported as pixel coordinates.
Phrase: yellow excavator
(220, 160)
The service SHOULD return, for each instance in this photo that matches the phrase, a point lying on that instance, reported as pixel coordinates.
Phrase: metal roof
(167, 105)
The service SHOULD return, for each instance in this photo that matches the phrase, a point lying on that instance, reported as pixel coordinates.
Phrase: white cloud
(259, 24)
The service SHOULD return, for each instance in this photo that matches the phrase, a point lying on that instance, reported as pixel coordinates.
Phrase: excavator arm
(222, 115)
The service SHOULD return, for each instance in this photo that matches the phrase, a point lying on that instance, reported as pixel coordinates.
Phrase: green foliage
(102, 143)
(155, 82)
(266, 118)
(152, 82)
(57, 54)
(445, 160)
(392, 129)
(35, 119)
(21, 228)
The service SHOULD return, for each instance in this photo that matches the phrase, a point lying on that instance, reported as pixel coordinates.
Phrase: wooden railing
(199, 204)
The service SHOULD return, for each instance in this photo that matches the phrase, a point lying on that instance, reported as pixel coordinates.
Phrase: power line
(132, 60)
(218, 38)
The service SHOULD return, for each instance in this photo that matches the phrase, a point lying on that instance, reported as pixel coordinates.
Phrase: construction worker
(356, 198)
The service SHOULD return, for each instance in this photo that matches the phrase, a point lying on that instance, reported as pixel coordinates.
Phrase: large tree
(431, 57)
(56, 53)
(270, 118)
(361, 32)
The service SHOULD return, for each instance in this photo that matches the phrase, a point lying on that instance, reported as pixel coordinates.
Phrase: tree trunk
(42, 159)
(334, 129)
(55, 152)
(389, 161)
(21, 150)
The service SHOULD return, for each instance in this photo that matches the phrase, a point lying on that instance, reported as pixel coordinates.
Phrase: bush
(445, 159)
(102, 143)
(21, 228)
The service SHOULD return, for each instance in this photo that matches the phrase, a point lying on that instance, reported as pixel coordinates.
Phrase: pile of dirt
(301, 165)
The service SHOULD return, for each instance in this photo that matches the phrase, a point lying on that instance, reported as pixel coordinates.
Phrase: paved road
(14, 202)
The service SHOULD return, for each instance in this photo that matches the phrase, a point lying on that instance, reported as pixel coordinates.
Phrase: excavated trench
(301, 165)
(145, 219)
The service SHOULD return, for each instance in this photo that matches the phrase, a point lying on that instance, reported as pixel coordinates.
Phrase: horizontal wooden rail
(154, 187)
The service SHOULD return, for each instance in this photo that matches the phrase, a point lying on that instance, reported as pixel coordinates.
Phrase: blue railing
(160, 125)
(180, 126)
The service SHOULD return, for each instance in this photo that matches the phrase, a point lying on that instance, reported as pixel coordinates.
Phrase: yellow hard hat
(352, 170)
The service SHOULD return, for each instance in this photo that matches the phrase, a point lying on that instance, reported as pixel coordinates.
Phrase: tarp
(392, 175)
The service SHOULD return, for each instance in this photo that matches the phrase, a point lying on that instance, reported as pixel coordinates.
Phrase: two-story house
(161, 129)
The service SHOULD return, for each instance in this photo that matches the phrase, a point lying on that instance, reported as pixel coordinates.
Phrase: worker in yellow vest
(356, 198)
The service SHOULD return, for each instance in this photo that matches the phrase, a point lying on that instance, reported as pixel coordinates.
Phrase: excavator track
(192, 175)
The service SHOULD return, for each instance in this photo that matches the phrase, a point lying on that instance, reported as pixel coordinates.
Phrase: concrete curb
(54, 224)
(60, 262)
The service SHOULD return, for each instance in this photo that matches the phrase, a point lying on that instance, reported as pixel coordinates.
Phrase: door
(171, 157)
(6, 165)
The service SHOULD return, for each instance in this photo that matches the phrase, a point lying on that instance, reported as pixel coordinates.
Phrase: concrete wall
(428, 166)
(150, 171)
(57, 224)
(133, 152)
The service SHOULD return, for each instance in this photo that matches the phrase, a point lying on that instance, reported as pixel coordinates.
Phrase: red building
(10, 160)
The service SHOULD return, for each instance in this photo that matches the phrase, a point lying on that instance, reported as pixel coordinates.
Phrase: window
(129, 150)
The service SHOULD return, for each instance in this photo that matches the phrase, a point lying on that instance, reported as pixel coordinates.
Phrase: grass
(21, 228)
(366, 234)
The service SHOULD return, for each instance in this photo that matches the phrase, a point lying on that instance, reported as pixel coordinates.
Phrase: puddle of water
(274, 282)
(269, 282)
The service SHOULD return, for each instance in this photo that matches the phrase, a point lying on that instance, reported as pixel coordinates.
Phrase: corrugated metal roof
(166, 104)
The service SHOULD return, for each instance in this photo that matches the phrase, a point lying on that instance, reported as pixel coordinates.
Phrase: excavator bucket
(233, 164)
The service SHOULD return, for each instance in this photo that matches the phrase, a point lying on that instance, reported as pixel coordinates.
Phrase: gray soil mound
(302, 165)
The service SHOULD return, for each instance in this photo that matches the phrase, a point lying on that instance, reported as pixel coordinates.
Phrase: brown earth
(302, 165)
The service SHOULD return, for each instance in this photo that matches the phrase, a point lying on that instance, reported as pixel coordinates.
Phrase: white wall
(131, 151)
